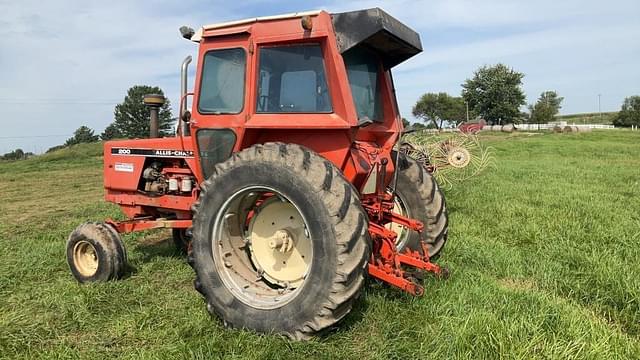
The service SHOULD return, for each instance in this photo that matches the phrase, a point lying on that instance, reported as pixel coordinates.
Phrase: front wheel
(279, 241)
(96, 253)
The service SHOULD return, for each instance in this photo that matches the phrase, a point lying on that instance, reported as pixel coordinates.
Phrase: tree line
(494, 93)
(131, 120)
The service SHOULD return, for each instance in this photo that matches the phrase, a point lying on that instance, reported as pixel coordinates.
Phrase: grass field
(544, 251)
(589, 118)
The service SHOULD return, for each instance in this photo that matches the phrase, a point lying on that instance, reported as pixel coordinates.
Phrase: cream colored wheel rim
(280, 243)
(262, 247)
(85, 258)
(458, 157)
(401, 232)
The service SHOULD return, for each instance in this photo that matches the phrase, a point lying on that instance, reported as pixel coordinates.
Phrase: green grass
(543, 248)
(589, 118)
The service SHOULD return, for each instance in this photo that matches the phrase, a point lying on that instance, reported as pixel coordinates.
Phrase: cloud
(67, 63)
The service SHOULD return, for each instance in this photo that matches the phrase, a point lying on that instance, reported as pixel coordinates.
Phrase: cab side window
(222, 85)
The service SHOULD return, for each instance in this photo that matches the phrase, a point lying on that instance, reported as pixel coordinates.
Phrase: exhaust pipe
(154, 102)
(183, 91)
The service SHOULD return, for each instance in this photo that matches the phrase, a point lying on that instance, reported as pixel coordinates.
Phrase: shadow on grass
(163, 248)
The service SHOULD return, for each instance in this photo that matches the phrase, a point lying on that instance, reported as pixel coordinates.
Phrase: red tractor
(282, 184)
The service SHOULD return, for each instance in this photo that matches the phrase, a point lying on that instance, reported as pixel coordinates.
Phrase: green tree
(110, 132)
(546, 108)
(132, 116)
(629, 113)
(495, 93)
(17, 154)
(83, 134)
(405, 122)
(440, 107)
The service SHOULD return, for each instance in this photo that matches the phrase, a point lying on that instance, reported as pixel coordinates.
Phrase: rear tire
(421, 199)
(335, 226)
(95, 253)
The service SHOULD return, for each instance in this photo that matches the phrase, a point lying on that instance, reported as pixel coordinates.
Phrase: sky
(67, 63)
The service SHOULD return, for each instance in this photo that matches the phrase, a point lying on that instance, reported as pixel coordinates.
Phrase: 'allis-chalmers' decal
(152, 152)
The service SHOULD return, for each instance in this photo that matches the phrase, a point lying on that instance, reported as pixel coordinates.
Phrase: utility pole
(466, 103)
(599, 109)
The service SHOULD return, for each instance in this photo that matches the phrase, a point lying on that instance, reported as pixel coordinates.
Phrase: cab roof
(372, 28)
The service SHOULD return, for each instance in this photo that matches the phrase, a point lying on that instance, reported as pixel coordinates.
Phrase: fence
(534, 127)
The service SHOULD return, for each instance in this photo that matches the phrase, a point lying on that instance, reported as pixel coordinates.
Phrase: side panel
(124, 160)
(331, 144)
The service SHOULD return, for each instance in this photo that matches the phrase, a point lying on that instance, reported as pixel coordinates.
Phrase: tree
(83, 134)
(438, 107)
(132, 115)
(495, 93)
(546, 108)
(629, 113)
(405, 122)
(110, 132)
(17, 154)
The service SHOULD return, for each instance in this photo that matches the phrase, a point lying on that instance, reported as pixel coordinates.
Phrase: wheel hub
(280, 243)
(458, 157)
(85, 258)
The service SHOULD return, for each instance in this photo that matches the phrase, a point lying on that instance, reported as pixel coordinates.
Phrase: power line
(31, 136)
(59, 101)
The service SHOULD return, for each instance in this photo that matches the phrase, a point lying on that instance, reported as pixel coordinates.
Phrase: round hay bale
(557, 129)
(508, 128)
(570, 129)
(496, 127)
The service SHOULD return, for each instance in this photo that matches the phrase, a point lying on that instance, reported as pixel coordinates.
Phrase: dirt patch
(517, 284)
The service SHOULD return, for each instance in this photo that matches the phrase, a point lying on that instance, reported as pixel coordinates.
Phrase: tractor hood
(392, 40)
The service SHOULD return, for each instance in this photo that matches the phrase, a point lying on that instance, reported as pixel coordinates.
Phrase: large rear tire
(280, 241)
(419, 197)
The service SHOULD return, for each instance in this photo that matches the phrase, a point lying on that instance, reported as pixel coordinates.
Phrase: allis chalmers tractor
(282, 184)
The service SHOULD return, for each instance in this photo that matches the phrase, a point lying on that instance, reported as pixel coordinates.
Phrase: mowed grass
(544, 250)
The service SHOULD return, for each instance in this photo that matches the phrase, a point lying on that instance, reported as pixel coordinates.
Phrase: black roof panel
(392, 40)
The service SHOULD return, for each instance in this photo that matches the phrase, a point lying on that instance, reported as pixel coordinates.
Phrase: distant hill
(589, 118)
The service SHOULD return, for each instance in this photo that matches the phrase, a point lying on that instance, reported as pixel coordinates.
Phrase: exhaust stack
(185, 130)
(154, 102)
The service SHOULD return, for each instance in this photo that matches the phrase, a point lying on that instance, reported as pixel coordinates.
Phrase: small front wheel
(95, 252)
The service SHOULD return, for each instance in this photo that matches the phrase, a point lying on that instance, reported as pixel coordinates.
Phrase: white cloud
(66, 63)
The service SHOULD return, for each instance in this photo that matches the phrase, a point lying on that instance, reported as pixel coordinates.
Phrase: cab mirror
(186, 116)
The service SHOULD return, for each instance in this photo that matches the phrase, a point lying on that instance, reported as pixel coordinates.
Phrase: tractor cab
(307, 73)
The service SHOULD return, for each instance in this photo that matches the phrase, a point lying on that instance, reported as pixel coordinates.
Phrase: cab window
(292, 79)
(363, 73)
(222, 85)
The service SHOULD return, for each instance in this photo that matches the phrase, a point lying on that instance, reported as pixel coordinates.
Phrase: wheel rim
(262, 248)
(85, 258)
(401, 231)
